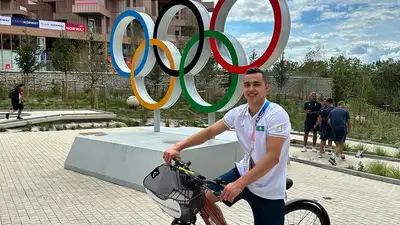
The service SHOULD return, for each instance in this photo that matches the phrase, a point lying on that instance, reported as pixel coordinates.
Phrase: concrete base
(46, 116)
(125, 158)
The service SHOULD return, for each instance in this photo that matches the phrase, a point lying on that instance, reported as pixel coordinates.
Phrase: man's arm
(202, 136)
(206, 134)
(274, 147)
(348, 122)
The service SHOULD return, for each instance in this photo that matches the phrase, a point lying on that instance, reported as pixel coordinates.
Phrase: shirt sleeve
(347, 115)
(305, 106)
(230, 118)
(279, 125)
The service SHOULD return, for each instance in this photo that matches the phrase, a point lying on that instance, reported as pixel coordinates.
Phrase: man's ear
(268, 87)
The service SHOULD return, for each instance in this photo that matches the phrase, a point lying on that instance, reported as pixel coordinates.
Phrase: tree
(64, 57)
(253, 56)
(387, 81)
(27, 56)
(155, 77)
(280, 72)
(94, 65)
(208, 73)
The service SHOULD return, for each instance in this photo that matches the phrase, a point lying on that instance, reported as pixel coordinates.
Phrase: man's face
(313, 96)
(255, 88)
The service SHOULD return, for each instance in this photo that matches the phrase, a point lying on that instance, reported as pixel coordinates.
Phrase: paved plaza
(36, 189)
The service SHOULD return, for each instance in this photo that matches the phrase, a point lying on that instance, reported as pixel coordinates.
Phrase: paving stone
(36, 189)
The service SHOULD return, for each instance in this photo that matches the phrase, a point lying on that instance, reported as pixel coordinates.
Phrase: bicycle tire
(310, 207)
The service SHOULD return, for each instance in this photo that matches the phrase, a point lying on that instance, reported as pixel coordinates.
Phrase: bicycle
(180, 193)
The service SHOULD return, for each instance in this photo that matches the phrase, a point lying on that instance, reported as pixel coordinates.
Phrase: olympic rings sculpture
(228, 52)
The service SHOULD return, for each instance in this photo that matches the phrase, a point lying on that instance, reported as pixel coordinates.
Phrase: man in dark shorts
(325, 128)
(312, 108)
(16, 101)
(339, 119)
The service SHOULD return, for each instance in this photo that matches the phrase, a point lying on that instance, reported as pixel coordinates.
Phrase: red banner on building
(75, 27)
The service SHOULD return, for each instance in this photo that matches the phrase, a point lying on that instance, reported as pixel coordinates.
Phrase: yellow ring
(172, 79)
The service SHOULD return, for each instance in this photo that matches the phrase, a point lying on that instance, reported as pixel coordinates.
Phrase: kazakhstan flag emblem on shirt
(260, 128)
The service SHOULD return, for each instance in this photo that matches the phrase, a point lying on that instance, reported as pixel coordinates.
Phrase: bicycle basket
(177, 193)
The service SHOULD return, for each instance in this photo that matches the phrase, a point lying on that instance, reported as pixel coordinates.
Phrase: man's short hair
(341, 103)
(329, 100)
(253, 70)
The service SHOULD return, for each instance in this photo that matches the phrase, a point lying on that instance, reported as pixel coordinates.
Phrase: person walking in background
(339, 119)
(312, 108)
(325, 128)
(16, 96)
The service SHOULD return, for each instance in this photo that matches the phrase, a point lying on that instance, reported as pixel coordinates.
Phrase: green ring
(235, 77)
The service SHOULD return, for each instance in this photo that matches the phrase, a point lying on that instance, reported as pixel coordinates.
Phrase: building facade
(45, 19)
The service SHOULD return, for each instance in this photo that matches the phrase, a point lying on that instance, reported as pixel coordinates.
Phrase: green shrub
(381, 151)
(379, 168)
(395, 172)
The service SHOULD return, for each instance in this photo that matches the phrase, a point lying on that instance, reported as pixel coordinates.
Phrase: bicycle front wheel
(305, 213)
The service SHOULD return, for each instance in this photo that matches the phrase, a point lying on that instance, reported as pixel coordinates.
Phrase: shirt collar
(247, 113)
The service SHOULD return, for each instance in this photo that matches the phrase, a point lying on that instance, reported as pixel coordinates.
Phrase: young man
(312, 108)
(17, 103)
(339, 119)
(263, 130)
(325, 128)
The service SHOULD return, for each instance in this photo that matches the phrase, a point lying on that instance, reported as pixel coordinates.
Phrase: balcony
(90, 9)
(15, 10)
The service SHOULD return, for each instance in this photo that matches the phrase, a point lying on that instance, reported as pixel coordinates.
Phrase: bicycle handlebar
(217, 181)
(180, 163)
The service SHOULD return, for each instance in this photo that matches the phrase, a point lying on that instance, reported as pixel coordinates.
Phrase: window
(15, 42)
(6, 42)
(128, 3)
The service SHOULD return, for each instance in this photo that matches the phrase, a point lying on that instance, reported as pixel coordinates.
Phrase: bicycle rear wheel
(305, 213)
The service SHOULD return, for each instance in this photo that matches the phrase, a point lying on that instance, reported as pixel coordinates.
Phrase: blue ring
(139, 18)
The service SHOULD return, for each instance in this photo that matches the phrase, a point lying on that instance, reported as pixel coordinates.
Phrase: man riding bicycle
(263, 130)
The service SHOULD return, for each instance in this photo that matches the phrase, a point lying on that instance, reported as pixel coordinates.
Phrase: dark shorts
(326, 134)
(339, 135)
(17, 106)
(265, 211)
(309, 126)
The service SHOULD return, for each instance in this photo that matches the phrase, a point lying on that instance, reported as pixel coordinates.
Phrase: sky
(366, 29)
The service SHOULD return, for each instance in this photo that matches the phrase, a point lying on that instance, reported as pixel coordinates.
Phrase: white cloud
(367, 29)
(332, 15)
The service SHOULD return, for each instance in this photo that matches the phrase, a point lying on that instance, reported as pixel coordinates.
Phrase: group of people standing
(332, 123)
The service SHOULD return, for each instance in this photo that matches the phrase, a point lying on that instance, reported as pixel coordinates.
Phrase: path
(37, 190)
(392, 151)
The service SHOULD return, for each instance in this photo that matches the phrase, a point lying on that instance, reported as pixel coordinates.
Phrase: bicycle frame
(209, 214)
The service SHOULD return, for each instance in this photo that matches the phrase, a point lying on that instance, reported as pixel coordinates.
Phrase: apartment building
(45, 18)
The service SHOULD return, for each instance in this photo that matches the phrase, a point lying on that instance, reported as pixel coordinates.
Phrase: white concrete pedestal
(125, 158)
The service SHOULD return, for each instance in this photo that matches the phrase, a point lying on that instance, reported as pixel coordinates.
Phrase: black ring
(197, 55)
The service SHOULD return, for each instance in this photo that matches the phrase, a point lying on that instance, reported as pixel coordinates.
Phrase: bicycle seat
(289, 183)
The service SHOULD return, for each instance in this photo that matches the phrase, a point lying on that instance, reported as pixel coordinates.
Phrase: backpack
(13, 94)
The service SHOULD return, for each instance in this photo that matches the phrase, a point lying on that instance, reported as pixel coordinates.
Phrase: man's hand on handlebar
(170, 154)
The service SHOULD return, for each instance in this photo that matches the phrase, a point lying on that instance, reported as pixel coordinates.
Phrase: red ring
(267, 54)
